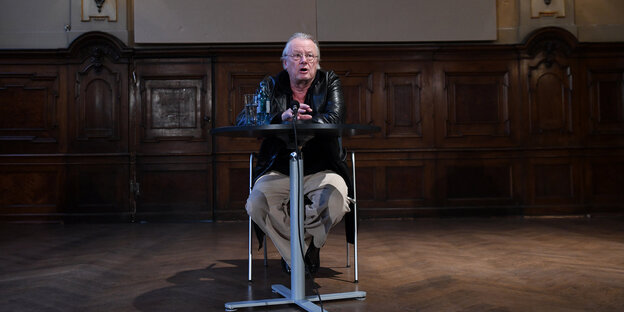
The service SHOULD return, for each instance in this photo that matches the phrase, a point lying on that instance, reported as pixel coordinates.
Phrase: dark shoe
(285, 267)
(312, 259)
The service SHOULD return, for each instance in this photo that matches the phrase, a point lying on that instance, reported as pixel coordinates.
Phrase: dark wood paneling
(173, 116)
(97, 188)
(393, 184)
(405, 183)
(29, 109)
(232, 183)
(467, 182)
(404, 105)
(29, 191)
(174, 188)
(555, 182)
(535, 128)
(173, 107)
(98, 105)
(357, 89)
(478, 104)
(606, 101)
(552, 81)
(233, 79)
(604, 182)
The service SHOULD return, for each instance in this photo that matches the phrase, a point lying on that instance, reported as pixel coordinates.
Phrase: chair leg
(265, 251)
(250, 254)
(348, 260)
(355, 236)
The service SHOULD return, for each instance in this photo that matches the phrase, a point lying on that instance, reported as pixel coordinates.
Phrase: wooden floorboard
(497, 264)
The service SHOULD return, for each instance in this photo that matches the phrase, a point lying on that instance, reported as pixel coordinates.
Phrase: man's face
(303, 70)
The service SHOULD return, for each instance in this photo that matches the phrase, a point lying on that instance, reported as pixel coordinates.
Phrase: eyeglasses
(298, 56)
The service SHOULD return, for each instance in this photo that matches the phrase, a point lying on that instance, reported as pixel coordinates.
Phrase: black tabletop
(305, 129)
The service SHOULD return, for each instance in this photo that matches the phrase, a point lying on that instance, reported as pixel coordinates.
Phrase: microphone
(294, 106)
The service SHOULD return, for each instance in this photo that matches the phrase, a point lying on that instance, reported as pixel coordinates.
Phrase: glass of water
(251, 113)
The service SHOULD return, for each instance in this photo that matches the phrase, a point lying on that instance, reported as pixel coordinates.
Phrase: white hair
(304, 36)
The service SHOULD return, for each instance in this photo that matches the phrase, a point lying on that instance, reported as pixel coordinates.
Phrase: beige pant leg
(328, 193)
(268, 206)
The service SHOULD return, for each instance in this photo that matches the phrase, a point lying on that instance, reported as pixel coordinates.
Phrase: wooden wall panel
(232, 176)
(551, 75)
(98, 110)
(172, 110)
(405, 183)
(97, 189)
(478, 103)
(392, 184)
(556, 182)
(172, 144)
(604, 182)
(466, 129)
(29, 109)
(357, 89)
(173, 106)
(606, 101)
(30, 192)
(403, 104)
(234, 77)
(483, 182)
(550, 98)
(171, 188)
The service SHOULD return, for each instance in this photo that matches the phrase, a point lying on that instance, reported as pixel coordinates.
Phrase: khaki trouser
(268, 206)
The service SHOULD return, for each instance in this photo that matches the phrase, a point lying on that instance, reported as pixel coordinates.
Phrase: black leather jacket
(319, 153)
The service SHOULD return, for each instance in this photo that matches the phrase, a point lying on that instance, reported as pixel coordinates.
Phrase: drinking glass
(251, 113)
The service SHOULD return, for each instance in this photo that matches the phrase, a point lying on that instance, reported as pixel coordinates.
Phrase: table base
(306, 303)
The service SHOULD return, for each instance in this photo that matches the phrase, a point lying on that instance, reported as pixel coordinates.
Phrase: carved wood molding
(550, 41)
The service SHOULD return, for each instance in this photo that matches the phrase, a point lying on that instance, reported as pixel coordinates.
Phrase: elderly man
(325, 181)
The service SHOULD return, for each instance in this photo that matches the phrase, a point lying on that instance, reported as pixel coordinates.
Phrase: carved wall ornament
(100, 3)
(98, 52)
(551, 42)
(547, 8)
(99, 10)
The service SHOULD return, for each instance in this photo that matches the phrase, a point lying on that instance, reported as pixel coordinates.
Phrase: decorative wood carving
(173, 109)
(550, 83)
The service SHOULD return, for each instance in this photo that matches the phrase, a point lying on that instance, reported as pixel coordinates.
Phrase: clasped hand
(302, 114)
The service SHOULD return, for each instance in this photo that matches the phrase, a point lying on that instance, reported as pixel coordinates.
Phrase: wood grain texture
(496, 264)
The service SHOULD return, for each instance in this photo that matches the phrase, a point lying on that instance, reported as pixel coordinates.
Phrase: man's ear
(284, 63)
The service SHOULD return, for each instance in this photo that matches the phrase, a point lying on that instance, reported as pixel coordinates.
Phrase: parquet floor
(496, 264)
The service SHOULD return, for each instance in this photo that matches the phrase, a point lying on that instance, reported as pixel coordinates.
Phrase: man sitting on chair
(325, 182)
